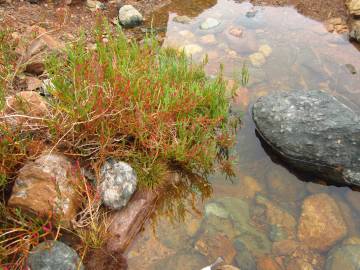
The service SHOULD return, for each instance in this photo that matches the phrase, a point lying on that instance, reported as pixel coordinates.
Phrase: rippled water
(262, 205)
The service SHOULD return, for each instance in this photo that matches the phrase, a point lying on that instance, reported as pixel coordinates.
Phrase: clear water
(303, 56)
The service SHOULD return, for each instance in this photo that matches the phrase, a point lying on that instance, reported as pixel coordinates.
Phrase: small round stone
(119, 182)
(54, 255)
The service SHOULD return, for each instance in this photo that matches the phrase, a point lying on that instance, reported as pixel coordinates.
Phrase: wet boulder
(119, 182)
(312, 131)
(54, 255)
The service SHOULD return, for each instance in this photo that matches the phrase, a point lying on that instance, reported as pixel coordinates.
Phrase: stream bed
(252, 220)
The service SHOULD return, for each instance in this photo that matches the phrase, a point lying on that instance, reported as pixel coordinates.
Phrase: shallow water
(262, 204)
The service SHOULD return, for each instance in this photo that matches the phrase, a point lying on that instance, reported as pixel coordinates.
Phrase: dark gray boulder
(51, 255)
(312, 131)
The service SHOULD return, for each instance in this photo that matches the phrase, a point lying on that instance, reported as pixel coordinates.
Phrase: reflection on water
(254, 220)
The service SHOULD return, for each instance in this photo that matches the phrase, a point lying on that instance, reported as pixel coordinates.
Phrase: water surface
(297, 53)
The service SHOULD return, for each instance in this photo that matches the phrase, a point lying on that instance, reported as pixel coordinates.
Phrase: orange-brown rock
(321, 223)
(26, 103)
(35, 43)
(267, 263)
(284, 247)
(298, 254)
(227, 267)
(33, 83)
(213, 247)
(296, 264)
(128, 222)
(47, 187)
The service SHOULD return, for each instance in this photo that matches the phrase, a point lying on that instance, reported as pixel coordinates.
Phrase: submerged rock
(312, 131)
(265, 49)
(354, 7)
(208, 39)
(214, 246)
(191, 49)
(257, 59)
(355, 30)
(283, 224)
(216, 209)
(227, 267)
(344, 257)
(209, 23)
(182, 260)
(129, 16)
(182, 19)
(284, 187)
(298, 254)
(267, 263)
(54, 255)
(353, 198)
(119, 182)
(237, 224)
(321, 223)
(45, 186)
(236, 32)
(243, 258)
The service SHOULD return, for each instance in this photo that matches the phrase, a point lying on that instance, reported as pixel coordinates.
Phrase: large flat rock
(312, 131)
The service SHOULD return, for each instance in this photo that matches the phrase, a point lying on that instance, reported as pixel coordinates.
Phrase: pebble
(351, 68)
(94, 5)
(209, 23)
(257, 59)
(236, 32)
(265, 50)
(118, 183)
(182, 19)
(208, 39)
(216, 209)
(191, 49)
(187, 34)
(54, 255)
(129, 16)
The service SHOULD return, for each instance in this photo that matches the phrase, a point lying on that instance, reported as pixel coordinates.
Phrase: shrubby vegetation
(143, 104)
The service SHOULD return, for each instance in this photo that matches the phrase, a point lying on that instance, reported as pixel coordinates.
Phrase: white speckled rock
(119, 182)
(129, 16)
